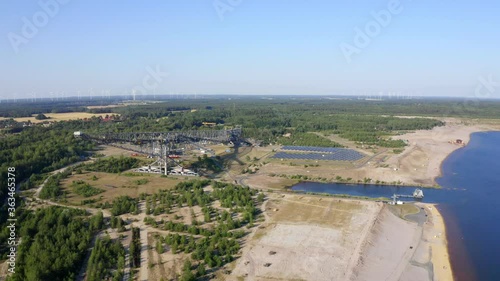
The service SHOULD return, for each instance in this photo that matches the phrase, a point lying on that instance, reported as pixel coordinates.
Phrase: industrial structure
(417, 194)
(163, 145)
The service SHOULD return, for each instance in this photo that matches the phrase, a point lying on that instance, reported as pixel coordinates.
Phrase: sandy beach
(427, 150)
(435, 231)
(406, 249)
(420, 162)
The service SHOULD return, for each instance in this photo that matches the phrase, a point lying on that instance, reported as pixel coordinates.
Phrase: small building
(459, 141)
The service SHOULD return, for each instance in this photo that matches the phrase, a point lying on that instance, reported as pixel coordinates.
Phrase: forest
(123, 204)
(39, 150)
(135, 248)
(29, 107)
(54, 243)
(52, 188)
(269, 120)
(112, 164)
(107, 260)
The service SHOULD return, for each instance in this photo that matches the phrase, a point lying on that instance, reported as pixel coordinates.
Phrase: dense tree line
(309, 139)
(39, 150)
(123, 204)
(269, 121)
(54, 243)
(113, 164)
(135, 248)
(29, 108)
(106, 261)
(33, 181)
(21, 215)
(52, 188)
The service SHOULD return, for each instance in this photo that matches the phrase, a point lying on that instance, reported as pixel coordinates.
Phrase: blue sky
(434, 48)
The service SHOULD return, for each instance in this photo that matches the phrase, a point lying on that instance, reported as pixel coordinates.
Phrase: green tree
(41, 117)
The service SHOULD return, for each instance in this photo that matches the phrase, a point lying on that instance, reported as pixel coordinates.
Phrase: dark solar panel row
(348, 155)
(312, 148)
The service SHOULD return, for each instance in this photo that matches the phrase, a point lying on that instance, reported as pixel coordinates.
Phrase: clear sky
(434, 47)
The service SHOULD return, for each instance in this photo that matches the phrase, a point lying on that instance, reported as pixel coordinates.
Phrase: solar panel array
(312, 148)
(319, 153)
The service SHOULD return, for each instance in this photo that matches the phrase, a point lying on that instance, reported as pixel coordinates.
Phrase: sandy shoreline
(421, 161)
(439, 245)
(418, 165)
(406, 249)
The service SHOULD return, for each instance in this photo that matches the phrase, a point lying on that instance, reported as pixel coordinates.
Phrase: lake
(468, 201)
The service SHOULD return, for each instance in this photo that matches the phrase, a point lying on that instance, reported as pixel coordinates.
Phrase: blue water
(469, 202)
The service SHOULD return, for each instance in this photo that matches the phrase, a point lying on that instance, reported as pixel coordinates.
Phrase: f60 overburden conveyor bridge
(159, 144)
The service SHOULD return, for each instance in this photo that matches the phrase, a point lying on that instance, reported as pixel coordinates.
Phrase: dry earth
(115, 185)
(318, 238)
(307, 238)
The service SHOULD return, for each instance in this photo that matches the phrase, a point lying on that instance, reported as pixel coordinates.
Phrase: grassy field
(403, 210)
(314, 210)
(116, 185)
(266, 182)
(59, 117)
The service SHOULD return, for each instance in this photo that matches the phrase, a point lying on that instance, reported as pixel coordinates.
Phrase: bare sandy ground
(399, 249)
(387, 250)
(307, 238)
(317, 238)
(420, 162)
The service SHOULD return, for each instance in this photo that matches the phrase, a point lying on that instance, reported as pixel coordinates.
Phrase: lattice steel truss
(159, 144)
(219, 136)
